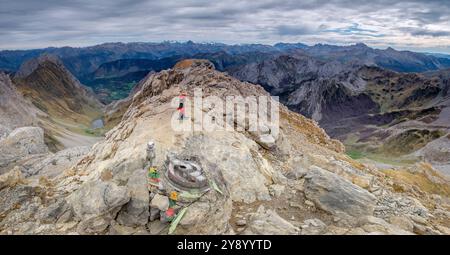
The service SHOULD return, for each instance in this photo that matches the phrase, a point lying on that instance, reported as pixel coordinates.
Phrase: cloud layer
(422, 25)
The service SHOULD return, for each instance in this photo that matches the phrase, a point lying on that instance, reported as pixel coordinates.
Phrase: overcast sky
(421, 25)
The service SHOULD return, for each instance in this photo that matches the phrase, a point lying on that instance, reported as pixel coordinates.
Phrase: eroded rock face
(136, 211)
(244, 177)
(11, 178)
(21, 143)
(268, 222)
(373, 225)
(55, 164)
(17, 203)
(58, 211)
(333, 194)
(15, 111)
(244, 187)
(313, 227)
(210, 215)
(4, 131)
(98, 198)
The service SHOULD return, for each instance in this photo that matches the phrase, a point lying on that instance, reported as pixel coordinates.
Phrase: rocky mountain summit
(112, 69)
(85, 60)
(391, 59)
(294, 181)
(51, 87)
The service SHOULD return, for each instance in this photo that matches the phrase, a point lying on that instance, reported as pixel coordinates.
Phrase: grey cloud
(31, 23)
(425, 32)
(294, 30)
(430, 17)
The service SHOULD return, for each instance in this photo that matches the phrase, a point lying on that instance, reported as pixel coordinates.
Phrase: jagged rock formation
(375, 112)
(325, 188)
(20, 145)
(82, 61)
(361, 106)
(321, 90)
(296, 186)
(32, 118)
(24, 149)
(15, 111)
(114, 80)
(28, 67)
(115, 111)
(26, 132)
(52, 165)
(391, 59)
(112, 69)
(57, 102)
(54, 90)
(268, 222)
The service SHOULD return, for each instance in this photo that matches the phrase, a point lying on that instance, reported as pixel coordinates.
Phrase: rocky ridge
(59, 103)
(15, 111)
(299, 182)
(376, 112)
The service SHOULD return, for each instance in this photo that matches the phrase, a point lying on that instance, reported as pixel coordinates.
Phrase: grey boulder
(98, 198)
(136, 211)
(334, 194)
(161, 202)
(268, 222)
(20, 144)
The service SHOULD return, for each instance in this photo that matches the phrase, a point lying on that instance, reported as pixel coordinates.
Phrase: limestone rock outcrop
(334, 194)
(21, 143)
(148, 171)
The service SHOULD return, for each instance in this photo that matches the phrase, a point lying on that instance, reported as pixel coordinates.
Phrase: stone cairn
(182, 183)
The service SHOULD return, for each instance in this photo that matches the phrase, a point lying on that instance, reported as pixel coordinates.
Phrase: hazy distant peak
(361, 45)
(390, 49)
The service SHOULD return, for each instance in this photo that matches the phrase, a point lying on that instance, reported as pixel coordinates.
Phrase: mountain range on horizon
(344, 88)
(363, 146)
(127, 63)
(239, 118)
(10, 60)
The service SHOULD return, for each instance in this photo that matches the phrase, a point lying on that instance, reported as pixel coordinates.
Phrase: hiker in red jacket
(181, 107)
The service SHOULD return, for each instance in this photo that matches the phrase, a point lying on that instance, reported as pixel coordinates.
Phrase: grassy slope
(394, 94)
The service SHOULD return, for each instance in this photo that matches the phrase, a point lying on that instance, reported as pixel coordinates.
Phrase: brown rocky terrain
(299, 181)
(386, 116)
(69, 107)
(44, 115)
(15, 111)
(54, 90)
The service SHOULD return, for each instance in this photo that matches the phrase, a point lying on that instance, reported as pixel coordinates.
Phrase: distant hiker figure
(181, 107)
